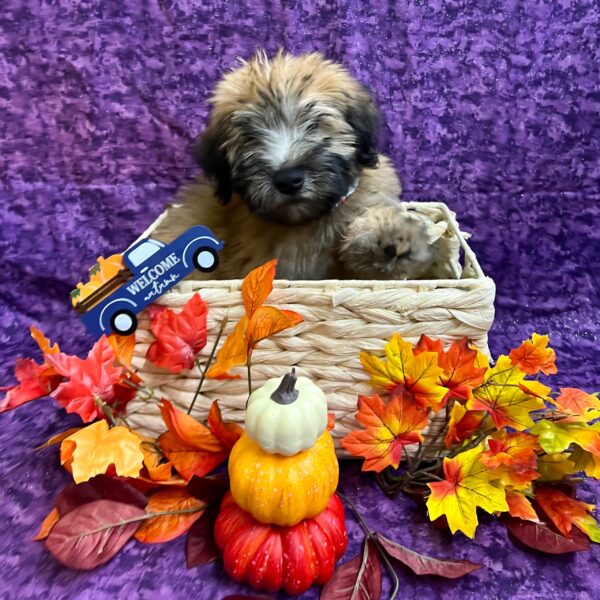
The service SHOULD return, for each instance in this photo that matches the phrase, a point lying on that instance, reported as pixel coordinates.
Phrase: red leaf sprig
(179, 335)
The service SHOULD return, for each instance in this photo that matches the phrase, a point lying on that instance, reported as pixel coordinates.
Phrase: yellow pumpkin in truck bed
(279, 489)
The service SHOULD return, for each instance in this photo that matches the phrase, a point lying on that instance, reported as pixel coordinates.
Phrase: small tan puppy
(290, 159)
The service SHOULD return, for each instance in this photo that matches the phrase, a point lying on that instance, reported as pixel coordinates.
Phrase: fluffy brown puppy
(290, 159)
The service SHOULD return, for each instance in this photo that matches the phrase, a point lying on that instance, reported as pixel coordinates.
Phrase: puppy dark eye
(379, 243)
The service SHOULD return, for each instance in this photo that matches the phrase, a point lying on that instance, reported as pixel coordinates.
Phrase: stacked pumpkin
(281, 526)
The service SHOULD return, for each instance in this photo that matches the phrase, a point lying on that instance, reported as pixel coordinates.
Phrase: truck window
(144, 251)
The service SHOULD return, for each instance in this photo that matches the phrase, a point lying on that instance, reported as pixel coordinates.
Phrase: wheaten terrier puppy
(291, 163)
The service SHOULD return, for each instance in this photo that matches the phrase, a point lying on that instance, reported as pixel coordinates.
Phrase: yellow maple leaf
(407, 375)
(557, 436)
(555, 467)
(586, 462)
(465, 488)
(93, 449)
(507, 397)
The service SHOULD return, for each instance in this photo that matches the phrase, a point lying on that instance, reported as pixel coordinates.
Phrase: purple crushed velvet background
(495, 111)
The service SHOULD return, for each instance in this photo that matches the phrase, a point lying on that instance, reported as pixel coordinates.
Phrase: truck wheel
(123, 322)
(206, 260)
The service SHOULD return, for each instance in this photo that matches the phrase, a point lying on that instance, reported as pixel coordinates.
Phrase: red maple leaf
(179, 336)
(91, 380)
(35, 381)
(565, 512)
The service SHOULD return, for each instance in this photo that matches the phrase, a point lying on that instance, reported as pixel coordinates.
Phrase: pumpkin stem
(286, 393)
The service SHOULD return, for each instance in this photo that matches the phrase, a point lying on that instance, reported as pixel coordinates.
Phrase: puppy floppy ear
(363, 117)
(209, 154)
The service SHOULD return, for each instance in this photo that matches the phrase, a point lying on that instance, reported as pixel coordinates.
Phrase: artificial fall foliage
(259, 323)
(505, 445)
(127, 485)
(508, 445)
(92, 449)
(388, 429)
(191, 447)
(467, 485)
(179, 336)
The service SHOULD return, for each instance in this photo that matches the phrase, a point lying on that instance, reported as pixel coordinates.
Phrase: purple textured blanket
(495, 111)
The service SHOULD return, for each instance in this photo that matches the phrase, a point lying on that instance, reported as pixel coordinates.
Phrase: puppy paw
(386, 242)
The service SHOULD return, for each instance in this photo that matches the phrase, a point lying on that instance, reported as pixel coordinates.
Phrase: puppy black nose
(390, 251)
(289, 181)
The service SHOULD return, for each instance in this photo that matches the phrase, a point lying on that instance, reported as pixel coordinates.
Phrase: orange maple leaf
(462, 424)
(577, 405)
(512, 457)
(122, 346)
(461, 373)
(519, 506)
(48, 523)
(534, 356)
(159, 469)
(257, 286)
(267, 321)
(43, 342)
(565, 512)
(389, 427)
(233, 353)
(408, 374)
(185, 511)
(259, 323)
(192, 448)
(189, 460)
(227, 433)
(188, 430)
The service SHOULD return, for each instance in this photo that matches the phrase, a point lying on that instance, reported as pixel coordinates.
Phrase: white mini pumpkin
(286, 415)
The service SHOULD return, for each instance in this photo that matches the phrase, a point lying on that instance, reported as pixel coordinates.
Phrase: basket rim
(375, 284)
(469, 257)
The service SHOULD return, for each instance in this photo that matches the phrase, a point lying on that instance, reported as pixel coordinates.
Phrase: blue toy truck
(150, 269)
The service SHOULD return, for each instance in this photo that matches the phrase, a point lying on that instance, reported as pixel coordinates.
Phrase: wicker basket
(341, 318)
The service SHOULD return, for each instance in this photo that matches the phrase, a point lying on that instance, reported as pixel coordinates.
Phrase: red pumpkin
(270, 557)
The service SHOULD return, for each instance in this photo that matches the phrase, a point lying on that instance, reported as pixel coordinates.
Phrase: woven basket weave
(341, 318)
